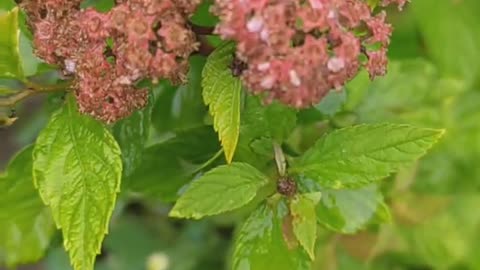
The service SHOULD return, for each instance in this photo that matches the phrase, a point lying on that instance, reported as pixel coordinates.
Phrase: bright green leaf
(26, 224)
(77, 169)
(222, 93)
(349, 210)
(10, 62)
(360, 155)
(222, 189)
(260, 243)
(304, 223)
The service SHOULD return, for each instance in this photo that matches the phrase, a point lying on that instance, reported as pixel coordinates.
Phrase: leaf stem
(280, 159)
(210, 161)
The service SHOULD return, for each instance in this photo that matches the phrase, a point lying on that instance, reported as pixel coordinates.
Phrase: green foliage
(452, 33)
(167, 166)
(181, 108)
(234, 185)
(10, 62)
(77, 170)
(260, 242)
(132, 135)
(349, 210)
(222, 93)
(304, 223)
(25, 223)
(360, 155)
(342, 216)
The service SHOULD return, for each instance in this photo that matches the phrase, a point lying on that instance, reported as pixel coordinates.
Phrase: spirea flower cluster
(107, 53)
(296, 51)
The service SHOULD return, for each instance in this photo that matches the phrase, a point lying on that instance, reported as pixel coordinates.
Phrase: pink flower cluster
(108, 53)
(297, 50)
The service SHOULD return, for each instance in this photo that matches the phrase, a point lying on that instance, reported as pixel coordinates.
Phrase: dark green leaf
(203, 16)
(167, 166)
(181, 108)
(222, 189)
(260, 242)
(26, 224)
(77, 168)
(222, 92)
(357, 156)
(132, 134)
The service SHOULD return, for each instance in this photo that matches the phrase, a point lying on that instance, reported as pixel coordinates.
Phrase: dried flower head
(109, 52)
(296, 51)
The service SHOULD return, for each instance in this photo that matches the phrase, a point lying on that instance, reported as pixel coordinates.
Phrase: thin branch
(32, 89)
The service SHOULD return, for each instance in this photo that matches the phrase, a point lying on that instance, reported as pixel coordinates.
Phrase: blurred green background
(433, 81)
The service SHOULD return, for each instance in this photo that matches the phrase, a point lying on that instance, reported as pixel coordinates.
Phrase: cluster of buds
(296, 51)
(108, 53)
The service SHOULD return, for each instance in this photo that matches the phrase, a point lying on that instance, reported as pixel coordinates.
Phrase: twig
(32, 89)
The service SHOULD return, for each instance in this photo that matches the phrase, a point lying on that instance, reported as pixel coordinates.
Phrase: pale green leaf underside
(77, 169)
(350, 210)
(222, 189)
(222, 92)
(26, 225)
(359, 155)
(304, 223)
(10, 63)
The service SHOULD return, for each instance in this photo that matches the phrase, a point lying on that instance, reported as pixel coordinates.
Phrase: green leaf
(222, 93)
(260, 243)
(304, 223)
(203, 16)
(10, 62)
(275, 120)
(404, 95)
(7, 5)
(166, 167)
(332, 103)
(360, 155)
(26, 225)
(77, 169)
(349, 210)
(132, 134)
(222, 189)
